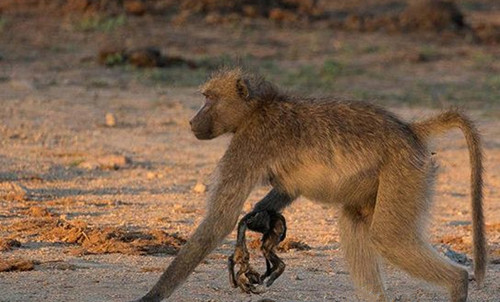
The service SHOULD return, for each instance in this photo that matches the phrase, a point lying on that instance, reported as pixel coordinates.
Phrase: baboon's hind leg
(361, 256)
(396, 231)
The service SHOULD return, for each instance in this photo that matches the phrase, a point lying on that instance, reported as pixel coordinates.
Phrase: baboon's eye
(209, 99)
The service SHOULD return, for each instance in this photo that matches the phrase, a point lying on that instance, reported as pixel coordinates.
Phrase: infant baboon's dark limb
(275, 201)
(273, 227)
(246, 276)
(277, 233)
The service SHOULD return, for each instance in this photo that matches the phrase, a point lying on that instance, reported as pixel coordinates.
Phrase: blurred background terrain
(101, 180)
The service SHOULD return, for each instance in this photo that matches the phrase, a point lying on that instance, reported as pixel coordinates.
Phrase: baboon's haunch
(376, 168)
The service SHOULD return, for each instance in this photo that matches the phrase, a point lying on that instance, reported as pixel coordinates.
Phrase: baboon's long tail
(455, 119)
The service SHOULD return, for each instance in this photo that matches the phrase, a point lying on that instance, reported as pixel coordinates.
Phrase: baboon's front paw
(150, 298)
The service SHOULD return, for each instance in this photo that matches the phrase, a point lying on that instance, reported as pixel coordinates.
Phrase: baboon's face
(226, 104)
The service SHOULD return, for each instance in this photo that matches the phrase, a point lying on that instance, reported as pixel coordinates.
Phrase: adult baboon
(375, 167)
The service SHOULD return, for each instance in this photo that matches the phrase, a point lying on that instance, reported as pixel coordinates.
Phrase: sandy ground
(53, 133)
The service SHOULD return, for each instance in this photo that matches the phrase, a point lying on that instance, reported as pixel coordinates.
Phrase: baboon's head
(228, 100)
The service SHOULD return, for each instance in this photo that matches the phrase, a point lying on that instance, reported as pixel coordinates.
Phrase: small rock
(9, 265)
(110, 120)
(459, 222)
(452, 255)
(199, 188)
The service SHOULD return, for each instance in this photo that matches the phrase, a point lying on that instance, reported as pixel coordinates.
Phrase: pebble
(199, 188)
(110, 120)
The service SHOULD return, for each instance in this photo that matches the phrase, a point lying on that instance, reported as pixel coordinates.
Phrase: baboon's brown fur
(376, 168)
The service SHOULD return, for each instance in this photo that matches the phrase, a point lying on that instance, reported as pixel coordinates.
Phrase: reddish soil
(101, 180)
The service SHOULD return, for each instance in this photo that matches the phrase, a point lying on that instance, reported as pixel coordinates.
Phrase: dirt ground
(96, 205)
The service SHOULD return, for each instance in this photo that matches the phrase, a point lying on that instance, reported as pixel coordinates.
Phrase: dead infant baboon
(273, 227)
(376, 168)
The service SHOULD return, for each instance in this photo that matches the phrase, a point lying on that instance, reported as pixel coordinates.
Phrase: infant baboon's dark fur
(376, 168)
(273, 227)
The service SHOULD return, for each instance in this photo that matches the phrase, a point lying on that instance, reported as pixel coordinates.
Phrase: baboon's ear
(243, 89)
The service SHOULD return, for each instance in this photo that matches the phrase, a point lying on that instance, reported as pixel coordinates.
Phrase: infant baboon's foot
(270, 240)
(246, 278)
(273, 227)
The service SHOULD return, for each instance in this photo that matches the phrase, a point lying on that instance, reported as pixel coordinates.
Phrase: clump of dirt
(16, 264)
(457, 257)
(36, 211)
(142, 57)
(280, 10)
(293, 244)
(487, 33)
(436, 16)
(284, 247)
(7, 244)
(425, 15)
(94, 240)
(220, 11)
(432, 15)
(458, 243)
(464, 244)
